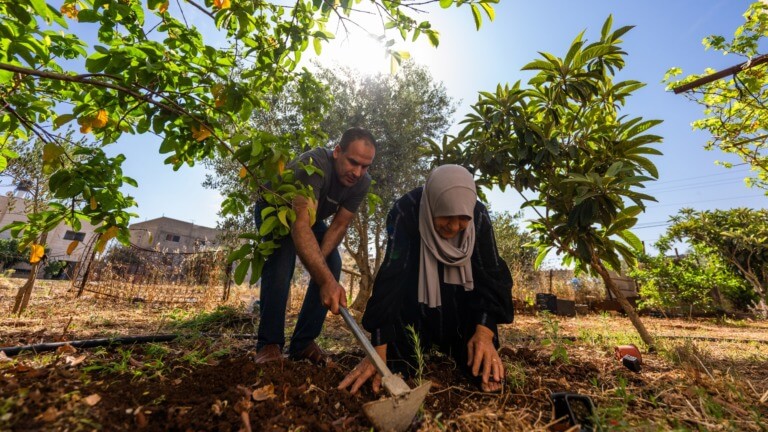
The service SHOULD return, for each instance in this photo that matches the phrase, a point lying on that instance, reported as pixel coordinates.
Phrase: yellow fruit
(37, 252)
(200, 134)
(69, 10)
(72, 246)
(101, 119)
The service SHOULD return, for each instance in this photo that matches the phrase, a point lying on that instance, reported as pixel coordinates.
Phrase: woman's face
(448, 227)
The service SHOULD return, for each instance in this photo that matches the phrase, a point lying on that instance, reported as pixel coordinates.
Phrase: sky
(666, 34)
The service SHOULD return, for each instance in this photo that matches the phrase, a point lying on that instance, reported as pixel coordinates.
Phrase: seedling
(418, 353)
(553, 337)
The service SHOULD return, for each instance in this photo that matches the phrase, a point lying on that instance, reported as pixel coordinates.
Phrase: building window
(77, 236)
(172, 238)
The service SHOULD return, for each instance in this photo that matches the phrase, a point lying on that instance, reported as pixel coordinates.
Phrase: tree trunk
(25, 292)
(364, 293)
(628, 309)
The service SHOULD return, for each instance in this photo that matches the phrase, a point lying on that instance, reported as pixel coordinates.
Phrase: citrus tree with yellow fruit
(132, 67)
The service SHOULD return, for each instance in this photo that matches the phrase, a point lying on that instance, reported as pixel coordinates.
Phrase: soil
(212, 384)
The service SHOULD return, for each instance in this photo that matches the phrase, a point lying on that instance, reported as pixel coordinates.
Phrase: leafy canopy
(737, 236)
(128, 67)
(563, 140)
(735, 108)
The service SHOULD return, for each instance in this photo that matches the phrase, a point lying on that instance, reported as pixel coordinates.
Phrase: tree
(698, 278)
(403, 111)
(30, 172)
(563, 140)
(133, 68)
(515, 247)
(738, 236)
(735, 108)
(9, 253)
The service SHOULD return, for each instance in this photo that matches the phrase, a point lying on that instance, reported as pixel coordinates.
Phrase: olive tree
(403, 111)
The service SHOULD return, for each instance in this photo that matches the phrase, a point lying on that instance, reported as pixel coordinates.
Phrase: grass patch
(223, 319)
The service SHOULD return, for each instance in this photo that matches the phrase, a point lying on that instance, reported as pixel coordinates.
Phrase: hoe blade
(395, 413)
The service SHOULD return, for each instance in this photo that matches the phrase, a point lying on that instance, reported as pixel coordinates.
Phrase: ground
(706, 374)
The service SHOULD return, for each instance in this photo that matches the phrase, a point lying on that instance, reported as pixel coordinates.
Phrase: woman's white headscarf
(449, 191)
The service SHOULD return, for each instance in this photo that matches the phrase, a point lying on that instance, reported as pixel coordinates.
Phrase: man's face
(351, 165)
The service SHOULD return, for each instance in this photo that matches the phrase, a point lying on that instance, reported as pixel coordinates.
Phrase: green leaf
(97, 62)
(239, 254)
(268, 225)
(445, 4)
(488, 10)
(241, 270)
(281, 215)
(434, 37)
(476, 15)
(62, 119)
(257, 265)
(87, 15)
(614, 169)
(543, 251)
(41, 8)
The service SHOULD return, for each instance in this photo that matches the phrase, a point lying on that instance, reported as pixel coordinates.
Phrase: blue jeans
(275, 288)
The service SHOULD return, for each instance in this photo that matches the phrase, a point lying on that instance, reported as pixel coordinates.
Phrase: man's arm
(331, 292)
(336, 231)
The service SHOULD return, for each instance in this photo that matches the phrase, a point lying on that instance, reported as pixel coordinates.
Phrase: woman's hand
(484, 359)
(364, 371)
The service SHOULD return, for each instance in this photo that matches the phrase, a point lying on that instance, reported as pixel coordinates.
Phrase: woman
(443, 276)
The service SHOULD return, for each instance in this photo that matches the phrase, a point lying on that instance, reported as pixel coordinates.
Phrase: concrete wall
(173, 235)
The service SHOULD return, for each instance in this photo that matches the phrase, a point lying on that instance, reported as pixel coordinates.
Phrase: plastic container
(631, 350)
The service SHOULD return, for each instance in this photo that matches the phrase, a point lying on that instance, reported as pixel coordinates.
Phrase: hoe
(394, 413)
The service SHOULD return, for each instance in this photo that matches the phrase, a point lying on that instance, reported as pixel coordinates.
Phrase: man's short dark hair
(354, 134)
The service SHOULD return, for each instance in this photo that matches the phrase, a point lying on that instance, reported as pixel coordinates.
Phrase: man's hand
(333, 295)
(363, 372)
(483, 357)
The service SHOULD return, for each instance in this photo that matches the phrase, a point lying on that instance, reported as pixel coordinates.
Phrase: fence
(144, 275)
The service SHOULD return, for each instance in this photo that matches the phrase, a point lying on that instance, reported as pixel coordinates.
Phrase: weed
(418, 353)
(216, 321)
(120, 366)
(553, 337)
(622, 392)
(516, 377)
(595, 382)
(440, 424)
(156, 350)
(194, 358)
(708, 404)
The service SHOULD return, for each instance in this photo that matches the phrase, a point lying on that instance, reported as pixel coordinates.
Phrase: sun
(358, 51)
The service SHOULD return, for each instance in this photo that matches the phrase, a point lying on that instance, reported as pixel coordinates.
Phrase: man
(338, 192)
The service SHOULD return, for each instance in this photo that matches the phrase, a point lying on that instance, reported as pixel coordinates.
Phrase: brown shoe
(313, 353)
(268, 353)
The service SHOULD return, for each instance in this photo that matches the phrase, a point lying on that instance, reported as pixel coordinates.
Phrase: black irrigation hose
(123, 340)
